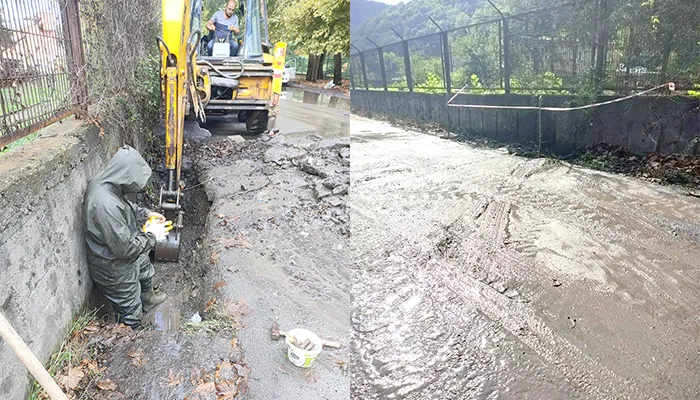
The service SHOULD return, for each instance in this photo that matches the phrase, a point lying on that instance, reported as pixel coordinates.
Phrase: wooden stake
(10, 336)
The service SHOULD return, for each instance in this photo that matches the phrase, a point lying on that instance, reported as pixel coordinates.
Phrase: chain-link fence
(41, 60)
(588, 46)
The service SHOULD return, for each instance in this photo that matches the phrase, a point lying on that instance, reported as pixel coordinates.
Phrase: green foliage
(19, 142)
(474, 82)
(695, 93)
(432, 84)
(659, 38)
(546, 83)
(312, 26)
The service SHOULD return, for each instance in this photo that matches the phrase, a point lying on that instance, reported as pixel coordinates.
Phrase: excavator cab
(245, 83)
(249, 83)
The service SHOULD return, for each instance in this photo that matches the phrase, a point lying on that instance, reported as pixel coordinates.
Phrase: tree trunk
(321, 66)
(337, 69)
(310, 71)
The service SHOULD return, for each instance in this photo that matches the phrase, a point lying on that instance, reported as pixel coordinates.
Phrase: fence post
(500, 53)
(445, 52)
(407, 66)
(506, 47)
(362, 65)
(601, 45)
(364, 70)
(506, 56)
(382, 71)
(406, 61)
(76, 56)
(448, 62)
(352, 81)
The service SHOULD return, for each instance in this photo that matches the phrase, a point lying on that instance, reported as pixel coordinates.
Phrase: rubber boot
(149, 298)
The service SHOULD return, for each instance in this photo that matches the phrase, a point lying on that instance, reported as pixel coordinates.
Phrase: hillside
(410, 19)
(362, 10)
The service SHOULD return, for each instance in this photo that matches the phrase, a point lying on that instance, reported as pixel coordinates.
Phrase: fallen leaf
(173, 380)
(210, 304)
(225, 370)
(234, 343)
(107, 384)
(136, 358)
(207, 388)
(215, 257)
(218, 285)
(236, 310)
(238, 241)
(91, 329)
(72, 379)
(220, 216)
(134, 354)
(92, 365)
(226, 389)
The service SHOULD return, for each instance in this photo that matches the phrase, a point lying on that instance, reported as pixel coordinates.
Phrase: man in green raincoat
(117, 247)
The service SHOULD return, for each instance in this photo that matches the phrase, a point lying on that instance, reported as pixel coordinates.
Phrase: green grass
(70, 352)
(36, 91)
(19, 142)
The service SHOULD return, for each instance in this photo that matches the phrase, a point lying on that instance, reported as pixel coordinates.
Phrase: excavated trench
(179, 280)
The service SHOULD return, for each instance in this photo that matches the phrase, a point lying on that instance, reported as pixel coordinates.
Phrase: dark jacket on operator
(117, 249)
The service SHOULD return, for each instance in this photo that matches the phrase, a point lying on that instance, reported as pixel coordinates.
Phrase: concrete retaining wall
(642, 124)
(44, 279)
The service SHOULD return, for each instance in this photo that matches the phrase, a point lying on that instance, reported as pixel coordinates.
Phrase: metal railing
(41, 63)
(302, 63)
(575, 47)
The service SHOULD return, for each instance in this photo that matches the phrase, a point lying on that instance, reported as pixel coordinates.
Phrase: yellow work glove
(159, 229)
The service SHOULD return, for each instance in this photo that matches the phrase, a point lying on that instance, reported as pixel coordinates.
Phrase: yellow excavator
(193, 83)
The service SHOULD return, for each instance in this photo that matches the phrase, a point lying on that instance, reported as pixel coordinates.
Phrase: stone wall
(642, 124)
(44, 279)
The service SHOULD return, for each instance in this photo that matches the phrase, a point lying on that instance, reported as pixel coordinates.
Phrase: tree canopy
(312, 26)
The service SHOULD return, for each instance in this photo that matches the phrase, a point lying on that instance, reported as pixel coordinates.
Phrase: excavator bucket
(168, 249)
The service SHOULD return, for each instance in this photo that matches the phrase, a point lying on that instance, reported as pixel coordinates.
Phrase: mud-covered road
(482, 275)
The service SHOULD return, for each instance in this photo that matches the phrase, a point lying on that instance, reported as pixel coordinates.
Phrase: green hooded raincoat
(117, 249)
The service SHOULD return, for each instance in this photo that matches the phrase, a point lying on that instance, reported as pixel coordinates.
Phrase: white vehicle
(289, 71)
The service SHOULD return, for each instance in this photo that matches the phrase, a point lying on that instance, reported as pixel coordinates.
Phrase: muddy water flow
(484, 275)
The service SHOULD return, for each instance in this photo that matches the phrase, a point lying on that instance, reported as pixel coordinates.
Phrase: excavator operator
(223, 26)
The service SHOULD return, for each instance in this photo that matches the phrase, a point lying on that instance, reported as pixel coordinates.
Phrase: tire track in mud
(454, 374)
(500, 300)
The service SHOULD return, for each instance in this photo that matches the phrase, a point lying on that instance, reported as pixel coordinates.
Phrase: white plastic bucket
(300, 357)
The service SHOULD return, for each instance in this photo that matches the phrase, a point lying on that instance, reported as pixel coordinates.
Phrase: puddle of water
(321, 99)
(166, 317)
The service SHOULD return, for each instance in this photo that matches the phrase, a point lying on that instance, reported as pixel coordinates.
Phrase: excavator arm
(178, 74)
(253, 83)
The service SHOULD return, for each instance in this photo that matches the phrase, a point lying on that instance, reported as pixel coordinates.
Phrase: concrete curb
(314, 89)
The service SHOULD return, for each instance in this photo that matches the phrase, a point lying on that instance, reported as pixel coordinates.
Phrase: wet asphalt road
(482, 275)
(301, 113)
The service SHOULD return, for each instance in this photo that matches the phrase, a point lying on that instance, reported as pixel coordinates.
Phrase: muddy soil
(278, 235)
(482, 275)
